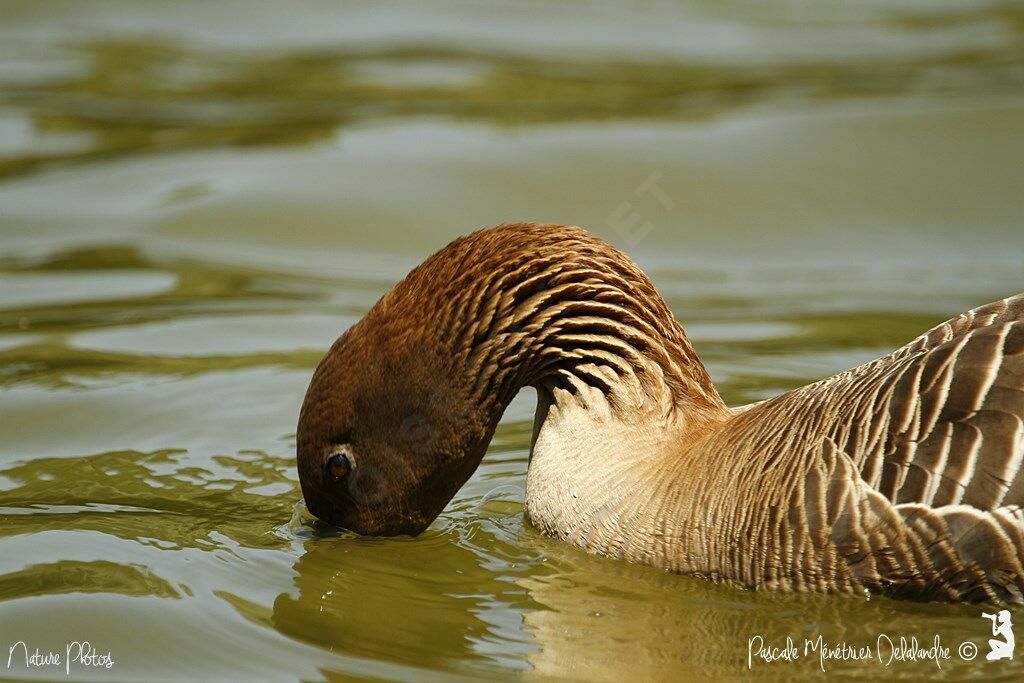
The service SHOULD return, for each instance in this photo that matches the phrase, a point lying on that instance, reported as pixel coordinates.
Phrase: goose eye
(338, 466)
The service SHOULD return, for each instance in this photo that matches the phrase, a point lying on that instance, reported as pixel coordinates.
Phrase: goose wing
(902, 476)
(935, 431)
(940, 421)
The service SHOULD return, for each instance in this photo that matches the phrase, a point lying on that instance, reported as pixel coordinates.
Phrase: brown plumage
(901, 476)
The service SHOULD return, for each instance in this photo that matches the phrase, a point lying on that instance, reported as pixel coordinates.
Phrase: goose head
(403, 406)
(387, 433)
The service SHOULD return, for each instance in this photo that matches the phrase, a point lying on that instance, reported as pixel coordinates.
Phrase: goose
(900, 477)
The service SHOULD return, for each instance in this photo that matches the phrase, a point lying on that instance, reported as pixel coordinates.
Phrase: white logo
(1001, 626)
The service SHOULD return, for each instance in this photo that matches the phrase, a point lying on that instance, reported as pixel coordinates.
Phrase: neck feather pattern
(562, 310)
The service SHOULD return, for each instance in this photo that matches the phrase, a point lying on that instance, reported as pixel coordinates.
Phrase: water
(196, 200)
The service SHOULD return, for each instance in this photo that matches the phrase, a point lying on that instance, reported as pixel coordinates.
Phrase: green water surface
(196, 198)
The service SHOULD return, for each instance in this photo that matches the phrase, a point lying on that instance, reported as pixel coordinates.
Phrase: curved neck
(620, 388)
(567, 314)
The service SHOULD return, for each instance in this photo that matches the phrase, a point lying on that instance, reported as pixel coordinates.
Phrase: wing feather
(952, 425)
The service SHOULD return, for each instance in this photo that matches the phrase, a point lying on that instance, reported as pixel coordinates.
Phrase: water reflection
(100, 288)
(556, 613)
(132, 95)
(160, 498)
(70, 576)
(361, 598)
(607, 621)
